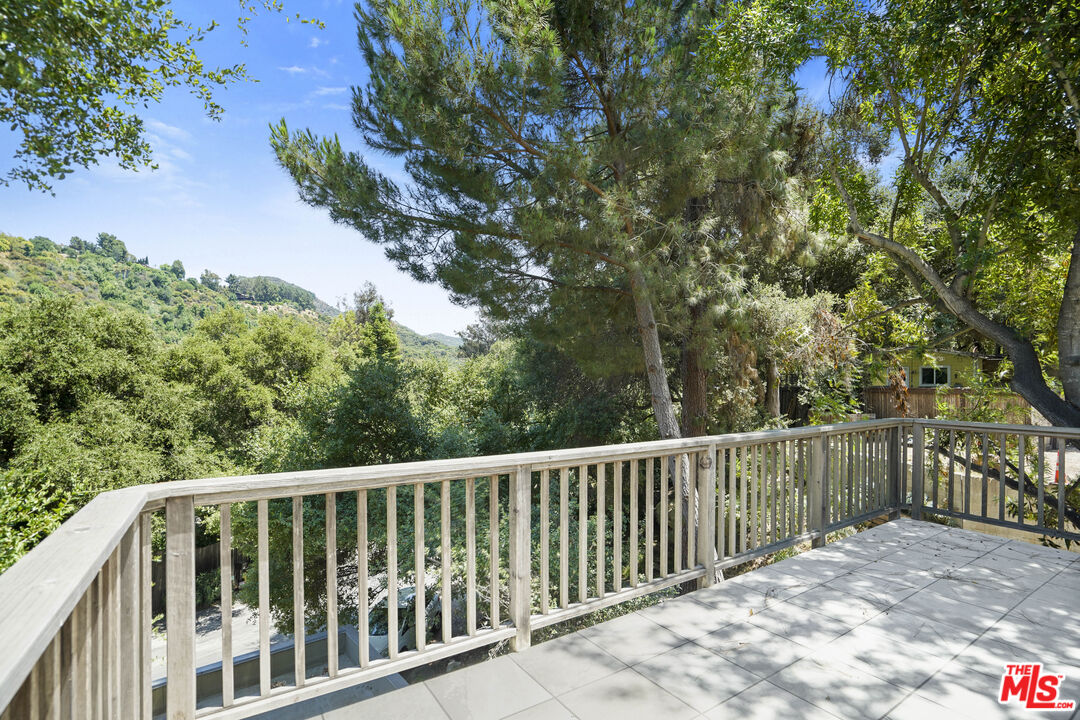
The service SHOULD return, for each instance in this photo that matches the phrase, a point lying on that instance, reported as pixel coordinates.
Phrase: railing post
(818, 496)
(706, 527)
(180, 607)
(520, 557)
(895, 458)
(917, 461)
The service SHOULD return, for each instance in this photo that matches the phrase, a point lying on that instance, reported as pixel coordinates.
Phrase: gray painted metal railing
(613, 523)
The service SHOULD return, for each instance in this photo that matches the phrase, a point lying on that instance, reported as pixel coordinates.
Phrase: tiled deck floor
(907, 620)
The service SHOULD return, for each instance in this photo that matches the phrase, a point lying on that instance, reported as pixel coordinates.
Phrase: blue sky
(218, 199)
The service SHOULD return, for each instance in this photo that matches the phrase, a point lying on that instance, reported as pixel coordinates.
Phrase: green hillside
(451, 340)
(103, 271)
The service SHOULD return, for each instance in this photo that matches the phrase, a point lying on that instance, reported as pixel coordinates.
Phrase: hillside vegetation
(105, 271)
(114, 373)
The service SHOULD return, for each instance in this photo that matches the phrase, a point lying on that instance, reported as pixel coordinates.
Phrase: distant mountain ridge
(104, 271)
(451, 340)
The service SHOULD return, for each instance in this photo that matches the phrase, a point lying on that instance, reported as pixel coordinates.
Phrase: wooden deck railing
(507, 544)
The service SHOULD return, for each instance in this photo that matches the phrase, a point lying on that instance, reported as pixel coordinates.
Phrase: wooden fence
(923, 403)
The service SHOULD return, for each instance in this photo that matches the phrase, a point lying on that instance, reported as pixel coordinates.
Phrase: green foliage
(72, 72)
(85, 410)
(207, 588)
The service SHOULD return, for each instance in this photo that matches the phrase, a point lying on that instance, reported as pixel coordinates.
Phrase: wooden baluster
(1062, 483)
(774, 490)
(420, 587)
(743, 512)
(362, 571)
(967, 472)
(650, 518)
(470, 554)
(918, 470)
(299, 628)
(146, 613)
(952, 470)
(1041, 492)
(392, 574)
(677, 503)
(818, 511)
(180, 605)
(635, 548)
(520, 557)
(493, 551)
(706, 493)
(564, 538)
(228, 689)
(108, 628)
(331, 585)
(263, 568)
(985, 472)
(783, 493)
(935, 475)
(663, 539)
(732, 497)
(545, 542)
(447, 586)
(583, 528)
(130, 628)
(601, 544)
(1002, 464)
(616, 528)
(753, 450)
(1021, 478)
(721, 509)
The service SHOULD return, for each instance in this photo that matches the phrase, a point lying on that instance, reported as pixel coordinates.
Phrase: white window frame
(948, 375)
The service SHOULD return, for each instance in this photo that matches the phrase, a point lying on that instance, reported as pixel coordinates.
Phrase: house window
(930, 376)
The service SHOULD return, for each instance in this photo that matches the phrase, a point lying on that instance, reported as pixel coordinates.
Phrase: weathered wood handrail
(77, 608)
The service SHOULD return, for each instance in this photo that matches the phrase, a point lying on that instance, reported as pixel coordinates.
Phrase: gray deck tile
(773, 583)
(633, 638)
(917, 707)
(847, 608)
(414, 702)
(626, 695)
(894, 662)
(878, 591)
(766, 701)
(567, 663)
(801, 625)
(977, 593)
(896, 573)
(687, 617)
(754, 648)
(839, 688)
(698, 677)
(928, 635)
(486, 691)
(547, 710)
(937, 607)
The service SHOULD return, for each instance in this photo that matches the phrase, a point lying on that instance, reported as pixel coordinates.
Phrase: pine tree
(569, 171)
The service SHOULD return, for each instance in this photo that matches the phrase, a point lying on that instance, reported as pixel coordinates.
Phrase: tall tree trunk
(1068, 327)
(663, 408)
(695, 377)
(772, 388)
